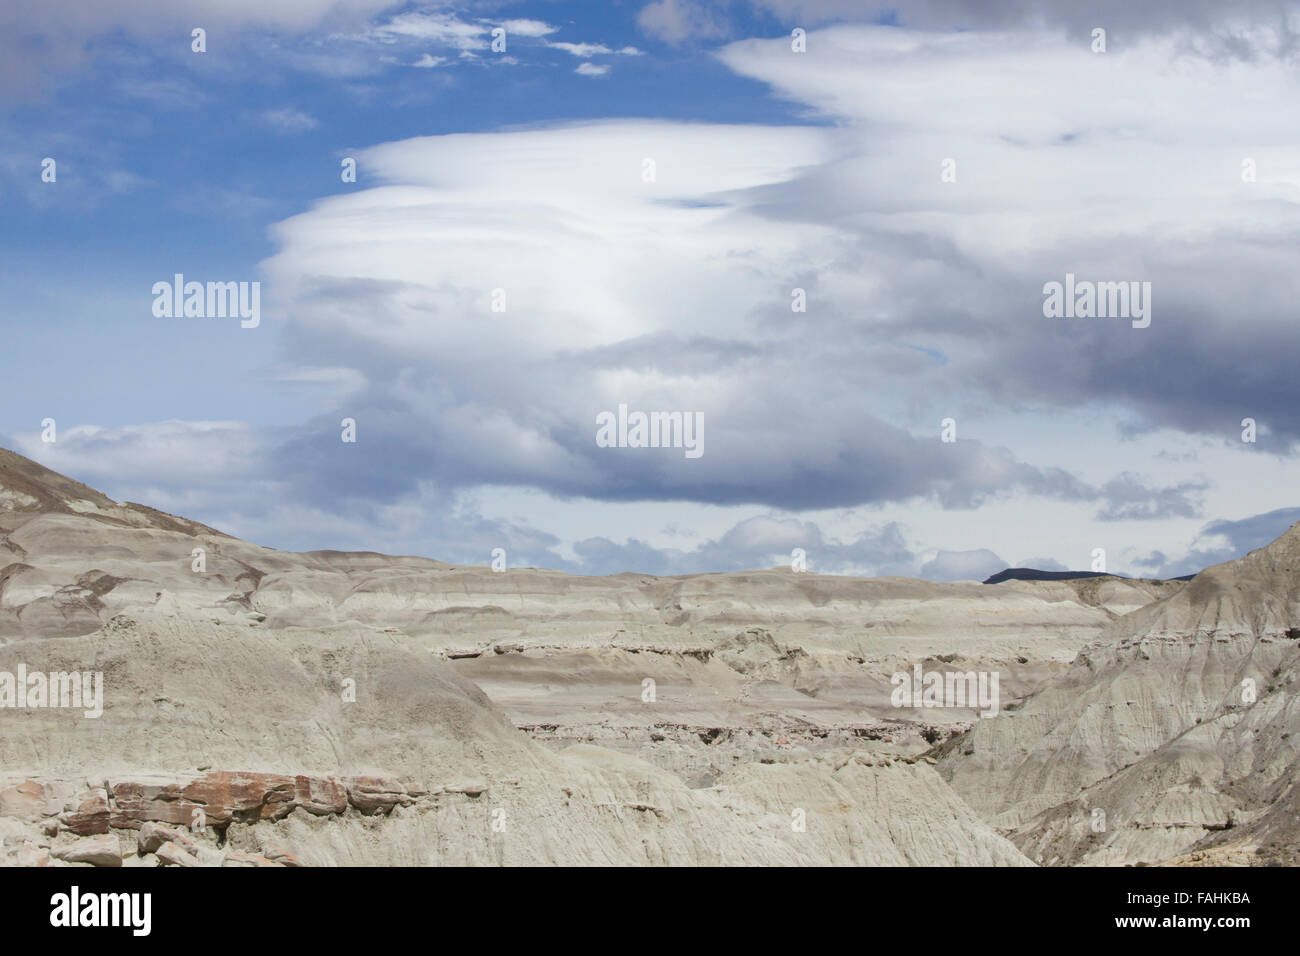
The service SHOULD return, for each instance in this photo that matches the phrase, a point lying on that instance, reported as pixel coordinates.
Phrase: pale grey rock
(173, 854)
(100, 850)
(538, 718)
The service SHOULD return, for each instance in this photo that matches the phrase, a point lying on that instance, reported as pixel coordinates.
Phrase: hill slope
(329, 708)
(1180, 725)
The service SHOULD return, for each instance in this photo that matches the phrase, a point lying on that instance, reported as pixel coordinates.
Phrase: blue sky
(206, 150)
(777, 169)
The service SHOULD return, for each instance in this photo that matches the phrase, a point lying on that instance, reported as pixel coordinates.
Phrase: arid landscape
(267, 708)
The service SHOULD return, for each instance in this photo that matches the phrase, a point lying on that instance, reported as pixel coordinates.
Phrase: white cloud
(445, 29)
(462, 207)
(583, 50)
(528, 28)
(337, 379)
(588, 50)
(675, 21)
(962, 566)
(676, 293)
(428, 61)
(591, 69)
(194, 453)
(289, 120)
(55, 35)
(1047, 141)
(1059, 169)
(606, 277)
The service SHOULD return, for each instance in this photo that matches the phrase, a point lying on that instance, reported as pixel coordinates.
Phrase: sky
(825, 230)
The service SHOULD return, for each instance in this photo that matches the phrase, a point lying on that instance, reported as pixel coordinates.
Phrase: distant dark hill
(1033, 574)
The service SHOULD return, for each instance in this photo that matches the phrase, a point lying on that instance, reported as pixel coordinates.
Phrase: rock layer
(1177, 731)
(266, 708)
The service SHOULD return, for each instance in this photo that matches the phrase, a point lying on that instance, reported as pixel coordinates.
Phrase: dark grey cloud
(1219, 307)
(1127, 498)
(1186, 371)
(1247, 534)
(667, 353)
(801, 436)
(1220, 346)
(775, 453)
(804, 436)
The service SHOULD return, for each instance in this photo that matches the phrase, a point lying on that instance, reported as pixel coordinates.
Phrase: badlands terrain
(264, 708)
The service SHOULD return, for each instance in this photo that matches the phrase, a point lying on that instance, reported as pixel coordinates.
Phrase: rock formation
(1174, 733)
(263, 708)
